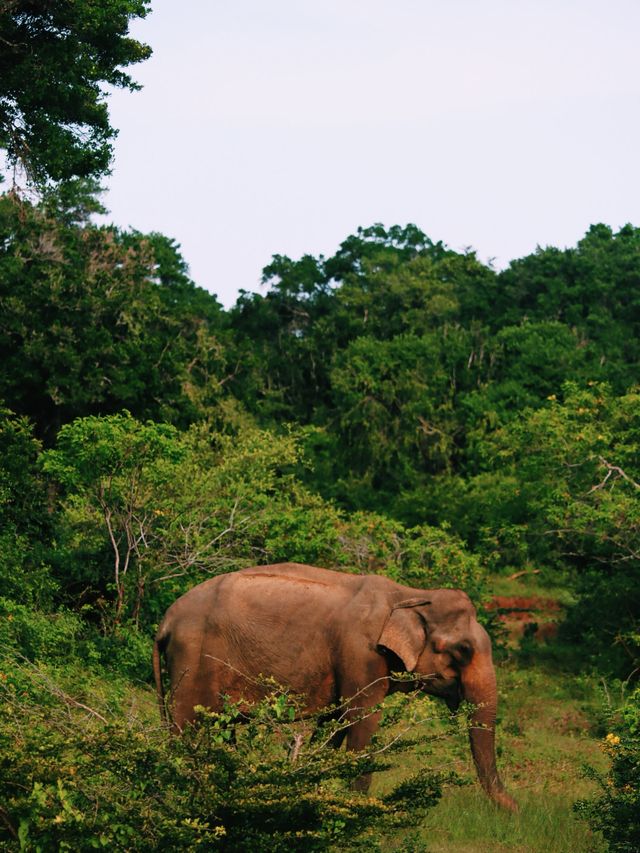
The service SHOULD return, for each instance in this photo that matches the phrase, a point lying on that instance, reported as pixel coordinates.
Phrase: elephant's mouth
(444, 688)
(453, 698)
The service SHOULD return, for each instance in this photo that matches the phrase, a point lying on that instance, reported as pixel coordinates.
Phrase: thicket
(78, 778)
(615, 810)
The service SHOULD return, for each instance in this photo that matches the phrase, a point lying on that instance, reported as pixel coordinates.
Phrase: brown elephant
(329, 636)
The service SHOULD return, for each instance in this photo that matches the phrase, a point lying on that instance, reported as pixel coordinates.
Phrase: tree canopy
(57, 58)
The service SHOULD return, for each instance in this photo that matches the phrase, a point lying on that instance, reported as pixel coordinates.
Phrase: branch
(612, 469)
(116, 551)
(69, 700)
(55, 690)
(5, 817)
(517, 575)
(296, 746)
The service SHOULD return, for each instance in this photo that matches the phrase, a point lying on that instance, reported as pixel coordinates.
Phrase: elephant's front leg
(364, 694)
(359, 736)
(336, 739)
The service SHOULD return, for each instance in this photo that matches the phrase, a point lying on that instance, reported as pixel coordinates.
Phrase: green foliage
(111, 469)
(94, 454)
(235, 782)
(394, 403)
(55, 60)
(615, 812)
(94, 320)
(422, 556)
(592, 288)
(577, 467)
(25, 526)
(380, 284)
(146, 512)
(124, 652)
(523, 366)
(35, 635)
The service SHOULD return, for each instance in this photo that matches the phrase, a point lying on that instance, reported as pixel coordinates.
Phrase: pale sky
(281, 126)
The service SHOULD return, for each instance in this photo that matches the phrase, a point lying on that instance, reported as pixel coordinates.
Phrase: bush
(421, 556)
(125, 651)
(25, 524)
(36, 635)
(616, 811)
(78, 779)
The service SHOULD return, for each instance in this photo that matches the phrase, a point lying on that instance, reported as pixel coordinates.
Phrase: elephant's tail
(158, 648)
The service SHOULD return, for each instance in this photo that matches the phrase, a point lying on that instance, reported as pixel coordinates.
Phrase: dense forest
(396, 408)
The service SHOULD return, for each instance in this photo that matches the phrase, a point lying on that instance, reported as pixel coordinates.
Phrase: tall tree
(593, 288)
(93, 320)
(56, 56)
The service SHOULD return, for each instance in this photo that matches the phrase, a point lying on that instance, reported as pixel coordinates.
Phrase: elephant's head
(437, 637)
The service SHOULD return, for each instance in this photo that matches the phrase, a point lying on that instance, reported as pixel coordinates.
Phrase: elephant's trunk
(479, 687)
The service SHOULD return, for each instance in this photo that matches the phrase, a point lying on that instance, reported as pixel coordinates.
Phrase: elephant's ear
(404, 633)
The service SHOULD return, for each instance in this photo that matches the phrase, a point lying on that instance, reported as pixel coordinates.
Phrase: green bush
(125, 651)
(35, 635)
(615, 812)
(25, 524)
(421, 556)
(75, 778)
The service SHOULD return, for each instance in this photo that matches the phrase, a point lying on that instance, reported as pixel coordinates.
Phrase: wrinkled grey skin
(329, 636)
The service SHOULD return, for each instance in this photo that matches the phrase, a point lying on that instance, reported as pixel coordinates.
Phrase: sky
(280, 127)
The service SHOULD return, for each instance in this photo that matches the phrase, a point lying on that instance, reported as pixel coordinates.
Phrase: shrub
(422, 556)
(615, 812)
(36, 635)
(78, 779)
(25, 525)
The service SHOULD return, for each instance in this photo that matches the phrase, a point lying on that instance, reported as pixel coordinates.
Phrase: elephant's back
(301, 572)
(278, 592)
(281, 621)
(288, 593)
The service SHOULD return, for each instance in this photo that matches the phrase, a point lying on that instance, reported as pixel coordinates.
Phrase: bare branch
(612, 469)
(517, 575)
(69, 700)
(295, 748)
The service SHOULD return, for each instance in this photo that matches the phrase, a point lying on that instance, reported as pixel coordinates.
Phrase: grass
(530, 585)
(547, 732)
(549, 728)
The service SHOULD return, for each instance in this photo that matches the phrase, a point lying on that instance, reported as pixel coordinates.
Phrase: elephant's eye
(462, 651)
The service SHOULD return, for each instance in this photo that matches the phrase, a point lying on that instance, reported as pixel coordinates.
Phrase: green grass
(548, 730)
(529, 585)
(468, 824)
(550, 726)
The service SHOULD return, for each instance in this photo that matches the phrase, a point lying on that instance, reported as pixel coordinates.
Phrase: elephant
(331, 637)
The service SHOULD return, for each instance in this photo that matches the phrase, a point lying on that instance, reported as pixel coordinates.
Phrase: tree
(392, 410)
(575, 468)
(25, 524)
(93, 320)
(285, 339)
(380, 283)
(55, 58)
(112, 468)
(592, 288)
